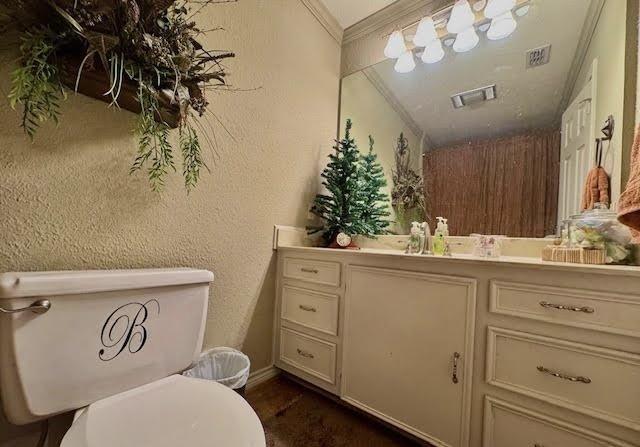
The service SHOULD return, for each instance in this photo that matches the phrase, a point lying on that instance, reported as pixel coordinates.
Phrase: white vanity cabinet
(543, 354)
(408, 350)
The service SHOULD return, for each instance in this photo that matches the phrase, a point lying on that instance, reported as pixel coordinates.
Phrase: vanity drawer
(508, 425)
(606, 312)
(319, 272)
(308, 354)
(311, 309)
(601, 383)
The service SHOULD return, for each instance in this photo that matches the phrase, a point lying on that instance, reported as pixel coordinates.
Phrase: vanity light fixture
(496, 8)
(467, 40)
(461, 24)
(405, 63)
(395, 46)
(502, 26)
(462, 17)
(426, 32)
(433, 52)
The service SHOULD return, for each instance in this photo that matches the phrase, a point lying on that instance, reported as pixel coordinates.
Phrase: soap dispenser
(415, 238)
(439, 242)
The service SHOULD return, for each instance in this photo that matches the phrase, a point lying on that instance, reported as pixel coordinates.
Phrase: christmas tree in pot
(350, 206)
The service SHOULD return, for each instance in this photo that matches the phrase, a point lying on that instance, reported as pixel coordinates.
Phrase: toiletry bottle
(439, 243)
(414, 238)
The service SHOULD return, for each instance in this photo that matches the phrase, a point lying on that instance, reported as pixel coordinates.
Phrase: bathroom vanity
(464, 351)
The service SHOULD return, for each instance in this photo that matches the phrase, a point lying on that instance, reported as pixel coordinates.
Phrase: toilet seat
(174, 411)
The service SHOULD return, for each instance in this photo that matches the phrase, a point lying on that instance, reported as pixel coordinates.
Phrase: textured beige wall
(372, 115)
(67, 201)
(608, 46)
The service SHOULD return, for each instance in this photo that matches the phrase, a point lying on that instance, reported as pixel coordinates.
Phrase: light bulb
(395, 45)
(496, 8)
(502, 26)
(433, 52)
(405, 63)
(462, 17)
(425, 33)
(466, 40)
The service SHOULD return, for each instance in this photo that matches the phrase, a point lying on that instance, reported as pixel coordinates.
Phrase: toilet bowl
(111, 345)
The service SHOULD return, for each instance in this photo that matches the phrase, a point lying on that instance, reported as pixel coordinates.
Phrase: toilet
(111, 345)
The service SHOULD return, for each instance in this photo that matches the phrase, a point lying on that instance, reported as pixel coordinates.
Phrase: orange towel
(629, 203)
(596, 188)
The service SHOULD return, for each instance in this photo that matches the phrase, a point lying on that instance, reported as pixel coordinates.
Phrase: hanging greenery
(407, 195)
(141, 55)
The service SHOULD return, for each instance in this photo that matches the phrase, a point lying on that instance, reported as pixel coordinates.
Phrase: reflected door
(577, 149)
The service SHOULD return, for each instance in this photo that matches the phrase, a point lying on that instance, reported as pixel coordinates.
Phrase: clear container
(599, 228)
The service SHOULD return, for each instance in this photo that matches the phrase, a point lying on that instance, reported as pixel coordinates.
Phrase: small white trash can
(226, 366)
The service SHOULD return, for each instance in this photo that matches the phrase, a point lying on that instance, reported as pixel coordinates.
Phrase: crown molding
(588, 29)
(391, 15)
(322, 14)
(374, 78)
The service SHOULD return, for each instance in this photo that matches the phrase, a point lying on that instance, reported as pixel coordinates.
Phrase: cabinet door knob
(454, 375)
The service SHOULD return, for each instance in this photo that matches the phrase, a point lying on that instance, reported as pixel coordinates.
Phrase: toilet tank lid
(27, 284)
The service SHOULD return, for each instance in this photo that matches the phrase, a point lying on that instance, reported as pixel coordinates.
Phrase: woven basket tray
(574, 255)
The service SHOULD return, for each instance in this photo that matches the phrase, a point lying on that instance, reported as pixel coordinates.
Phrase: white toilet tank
(104, 332)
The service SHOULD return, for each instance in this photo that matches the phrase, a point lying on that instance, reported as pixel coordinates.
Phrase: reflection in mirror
(504, 134)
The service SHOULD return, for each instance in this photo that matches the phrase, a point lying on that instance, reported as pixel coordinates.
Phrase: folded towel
(596, 188)
(629, 203)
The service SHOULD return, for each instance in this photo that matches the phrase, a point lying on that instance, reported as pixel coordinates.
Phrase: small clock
(343, 240)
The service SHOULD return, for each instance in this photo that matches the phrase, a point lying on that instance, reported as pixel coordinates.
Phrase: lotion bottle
(439, 242)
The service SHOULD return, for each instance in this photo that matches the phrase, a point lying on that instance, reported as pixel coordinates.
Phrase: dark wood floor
(294, 416)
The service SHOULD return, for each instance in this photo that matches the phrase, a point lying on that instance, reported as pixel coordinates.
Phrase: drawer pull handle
(305, 354)
(537, 445)
(581, 379)
(454, 375)
(585, 309)
(307, 308)
(314, 271)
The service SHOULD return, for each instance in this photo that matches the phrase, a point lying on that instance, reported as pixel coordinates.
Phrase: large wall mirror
(505, 133)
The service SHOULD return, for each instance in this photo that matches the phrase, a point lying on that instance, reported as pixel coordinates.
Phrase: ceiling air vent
(538, 56)
(474, 96)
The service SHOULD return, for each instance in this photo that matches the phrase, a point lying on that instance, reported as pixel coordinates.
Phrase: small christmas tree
(376, 207)
(342, 207)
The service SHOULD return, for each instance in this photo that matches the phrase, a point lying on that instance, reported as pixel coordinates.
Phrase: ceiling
(526, 98)
(349, 12)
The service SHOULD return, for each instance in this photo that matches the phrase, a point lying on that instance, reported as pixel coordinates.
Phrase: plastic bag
(224, 365)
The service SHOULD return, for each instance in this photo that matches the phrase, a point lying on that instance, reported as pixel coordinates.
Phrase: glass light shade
(467, 40)
(523, 10)
(406, 63)
(425, 33)
(496, 8)
(502, 26)
(395, 45)
(433, 52)
(462, 17)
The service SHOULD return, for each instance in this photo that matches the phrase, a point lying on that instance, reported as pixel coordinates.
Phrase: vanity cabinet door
(408, 350)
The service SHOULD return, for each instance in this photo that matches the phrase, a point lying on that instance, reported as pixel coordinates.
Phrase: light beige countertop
(518, 261)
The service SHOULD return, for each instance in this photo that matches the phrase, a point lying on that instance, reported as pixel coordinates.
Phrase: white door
(408, 351)
(577, 152)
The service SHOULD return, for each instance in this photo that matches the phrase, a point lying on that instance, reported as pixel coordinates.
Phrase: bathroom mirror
(504, 133)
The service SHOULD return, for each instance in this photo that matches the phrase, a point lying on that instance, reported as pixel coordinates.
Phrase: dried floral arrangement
(141, 55)
(407, 195)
